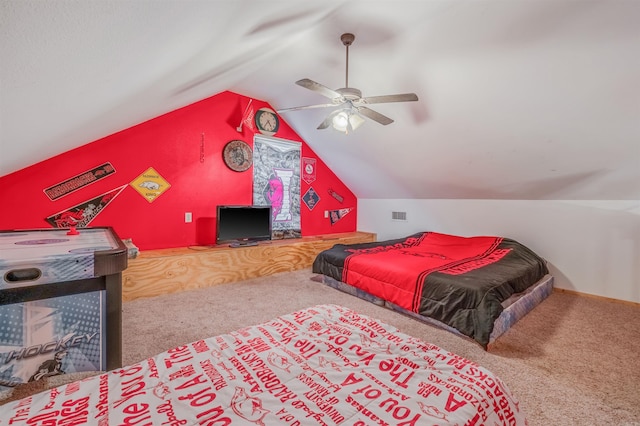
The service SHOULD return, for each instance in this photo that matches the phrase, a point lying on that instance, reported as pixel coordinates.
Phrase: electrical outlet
(326, 214)
(188, 217)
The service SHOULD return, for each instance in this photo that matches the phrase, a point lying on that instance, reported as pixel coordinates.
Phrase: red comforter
(460, 281)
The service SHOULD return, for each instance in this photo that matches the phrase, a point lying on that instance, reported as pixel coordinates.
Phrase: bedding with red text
(324, 365)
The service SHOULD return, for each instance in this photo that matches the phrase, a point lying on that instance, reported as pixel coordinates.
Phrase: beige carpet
(573, 360)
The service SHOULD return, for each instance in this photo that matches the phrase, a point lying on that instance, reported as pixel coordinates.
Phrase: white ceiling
(519, 99)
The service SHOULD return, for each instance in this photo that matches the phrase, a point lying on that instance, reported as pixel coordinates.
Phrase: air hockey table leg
(114, 321)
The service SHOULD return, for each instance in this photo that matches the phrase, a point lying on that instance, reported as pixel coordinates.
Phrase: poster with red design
(311, 198)
(336, 215)
(276, 183)
(308, 170)
(324, 365)
(82, 214)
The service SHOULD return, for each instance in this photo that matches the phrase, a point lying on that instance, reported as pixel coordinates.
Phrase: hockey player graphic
(51, 367)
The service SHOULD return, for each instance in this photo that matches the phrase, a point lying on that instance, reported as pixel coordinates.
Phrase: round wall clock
(237, 156)
(267, 121)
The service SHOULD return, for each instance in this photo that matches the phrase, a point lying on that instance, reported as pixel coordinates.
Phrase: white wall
(592, 246)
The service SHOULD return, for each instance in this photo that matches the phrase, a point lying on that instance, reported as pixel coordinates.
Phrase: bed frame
(515, 308)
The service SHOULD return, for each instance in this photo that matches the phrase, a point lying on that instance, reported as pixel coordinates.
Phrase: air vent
(399, 216)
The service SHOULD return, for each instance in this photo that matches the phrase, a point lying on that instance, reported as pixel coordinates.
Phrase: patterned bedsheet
(324, 365)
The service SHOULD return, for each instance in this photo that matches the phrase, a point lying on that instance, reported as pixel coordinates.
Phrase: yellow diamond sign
(150, 184)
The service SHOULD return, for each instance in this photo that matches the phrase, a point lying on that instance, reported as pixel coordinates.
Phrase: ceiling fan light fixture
(346, 121)
(356, 121)
(341, 121)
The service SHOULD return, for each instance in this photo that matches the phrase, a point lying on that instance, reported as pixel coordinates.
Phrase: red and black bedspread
(459, 281)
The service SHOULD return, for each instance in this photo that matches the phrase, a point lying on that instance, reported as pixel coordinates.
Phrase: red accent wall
(171, 144)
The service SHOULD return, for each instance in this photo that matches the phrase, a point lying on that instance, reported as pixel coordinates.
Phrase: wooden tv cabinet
(163, 271)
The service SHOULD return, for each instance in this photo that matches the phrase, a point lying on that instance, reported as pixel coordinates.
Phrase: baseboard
(595, 296)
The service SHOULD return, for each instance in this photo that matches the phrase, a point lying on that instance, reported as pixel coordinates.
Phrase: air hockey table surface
(60, 302)
(43, 256)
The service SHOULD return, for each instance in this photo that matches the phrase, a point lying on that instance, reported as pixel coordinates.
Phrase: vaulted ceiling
(519, 99)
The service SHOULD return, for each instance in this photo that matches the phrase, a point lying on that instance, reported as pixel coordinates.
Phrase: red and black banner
(79, 181)
(82, 214)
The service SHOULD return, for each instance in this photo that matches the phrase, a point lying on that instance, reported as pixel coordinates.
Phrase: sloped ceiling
(518, 99)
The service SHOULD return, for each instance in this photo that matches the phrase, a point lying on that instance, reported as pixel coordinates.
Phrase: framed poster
(276, 182)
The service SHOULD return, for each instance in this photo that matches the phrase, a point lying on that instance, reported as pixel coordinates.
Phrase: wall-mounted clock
(267, 121)
(237, 156)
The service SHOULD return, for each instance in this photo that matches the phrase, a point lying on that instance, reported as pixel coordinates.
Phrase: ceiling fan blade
(401, 97)
(328, 121)
(306, 107)
(318, 88)
(375, 116)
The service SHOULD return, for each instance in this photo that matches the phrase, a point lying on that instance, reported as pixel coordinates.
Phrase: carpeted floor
(572, 361)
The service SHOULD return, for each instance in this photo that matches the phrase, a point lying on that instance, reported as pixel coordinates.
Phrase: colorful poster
(79, 181)
(276, 182)
(308, 170)
(150, 184)
(82, 214)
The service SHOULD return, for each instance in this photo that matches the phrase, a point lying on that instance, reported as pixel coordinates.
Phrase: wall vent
(399, 216)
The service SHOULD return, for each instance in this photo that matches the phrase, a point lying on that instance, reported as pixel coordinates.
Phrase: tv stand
(243, 244)
(163, 271)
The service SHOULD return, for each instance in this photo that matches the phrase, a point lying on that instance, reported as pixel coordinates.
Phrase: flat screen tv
(243, 225)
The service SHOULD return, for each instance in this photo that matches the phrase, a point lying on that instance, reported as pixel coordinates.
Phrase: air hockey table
(60, 302)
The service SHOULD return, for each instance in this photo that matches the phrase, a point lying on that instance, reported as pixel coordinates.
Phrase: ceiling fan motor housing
(350, 93)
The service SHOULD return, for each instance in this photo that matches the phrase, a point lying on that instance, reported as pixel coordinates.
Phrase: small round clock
(267, 121)
(237, 156)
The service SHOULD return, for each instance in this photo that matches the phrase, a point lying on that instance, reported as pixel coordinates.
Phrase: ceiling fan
(351, 105)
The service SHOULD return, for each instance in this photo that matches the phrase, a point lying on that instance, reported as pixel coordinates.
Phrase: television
(243, 225)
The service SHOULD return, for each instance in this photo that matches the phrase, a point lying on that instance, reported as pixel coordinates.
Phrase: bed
(323, 365)
(477, 287)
